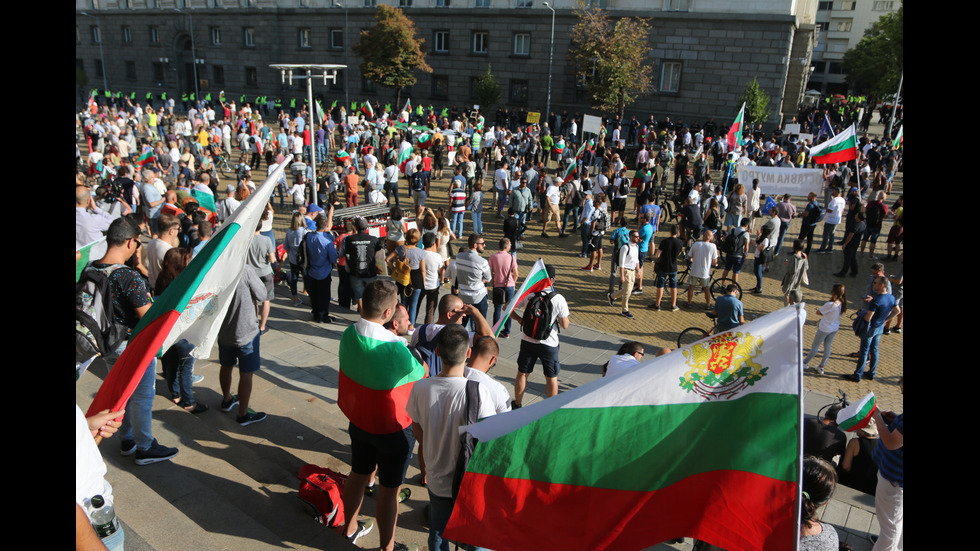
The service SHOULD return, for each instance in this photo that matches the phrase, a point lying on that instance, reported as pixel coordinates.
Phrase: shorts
(531, 352)
(595, 243)
(618, 204)
(668, 279)
(270, 285)
(640, 260)
(899, 295)
(895, 235)
(871, 234)
(734, 263)
(389, 453)
(703, 282)
(245, 357)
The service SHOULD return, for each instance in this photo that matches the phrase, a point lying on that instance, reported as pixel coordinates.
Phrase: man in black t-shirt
(665, 265)
(360, 251)
(851, 242)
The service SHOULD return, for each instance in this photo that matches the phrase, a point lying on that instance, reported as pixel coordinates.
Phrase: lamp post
(105, 82)
(346, 53)
(551, 58)
(327, 72)
(193, 52)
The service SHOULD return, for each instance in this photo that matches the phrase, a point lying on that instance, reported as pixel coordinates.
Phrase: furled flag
(408, 106)
(320, 115)
(194, 305)
(570, 171)
(537, 280)
(367, 109)
(856, 416)
(586, 146)
(839, 149)
(735, 132)
(899, 137)
(826, 129)
(704, 442)
(404, 154)
(146, 157)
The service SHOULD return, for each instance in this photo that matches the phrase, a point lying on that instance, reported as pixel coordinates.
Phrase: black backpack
(624, 186)
(539, 316)
(418, 181)
(96, 331)
(734, 245)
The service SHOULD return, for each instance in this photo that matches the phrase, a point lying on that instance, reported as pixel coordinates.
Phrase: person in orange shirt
(350, 183)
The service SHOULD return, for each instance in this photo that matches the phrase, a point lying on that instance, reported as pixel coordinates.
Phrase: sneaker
(587, 268)
(562, 235)
(369, 490)
(886, 331)
(851, 377)
(364, 527)
(637, 291)
(250, 417)
(196, 379)
(406, 547)
(897, 330)
(627, 315)
(228, 404)
(820, 370)
(505, 335)
(127, 447)
(544, 235)
(155, 454)
(611, 301)
(654, 307)
(674, 308)
(597, 267)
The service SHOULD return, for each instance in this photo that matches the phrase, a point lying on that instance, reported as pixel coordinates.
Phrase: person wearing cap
(546, 350)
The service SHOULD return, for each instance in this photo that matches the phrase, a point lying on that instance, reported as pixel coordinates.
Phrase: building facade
(703, 52)
(840, 26)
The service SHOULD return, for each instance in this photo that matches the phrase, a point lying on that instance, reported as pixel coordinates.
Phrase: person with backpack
(125, 299)
(875, 212)
(811, 216)
(542, 312)
(597, 224)
(735, 247)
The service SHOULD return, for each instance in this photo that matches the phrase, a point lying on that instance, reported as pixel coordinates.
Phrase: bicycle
(718, 286)
(221, 163)
(692, 335)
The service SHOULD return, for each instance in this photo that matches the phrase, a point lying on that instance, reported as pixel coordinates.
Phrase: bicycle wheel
(690, 336)
(224, 167)
(718, 287)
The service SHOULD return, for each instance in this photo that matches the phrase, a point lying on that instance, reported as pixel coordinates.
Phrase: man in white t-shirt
(545, 349)
(552, 195)
(704, 257)
(483, 356)
(500, 187)
(835, 211)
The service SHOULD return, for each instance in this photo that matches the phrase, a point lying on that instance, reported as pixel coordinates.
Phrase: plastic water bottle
(103, 517)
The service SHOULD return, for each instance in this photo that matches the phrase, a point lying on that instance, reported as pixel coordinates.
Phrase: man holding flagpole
(545, 346)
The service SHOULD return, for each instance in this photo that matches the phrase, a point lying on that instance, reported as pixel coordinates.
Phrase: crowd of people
(177, 177)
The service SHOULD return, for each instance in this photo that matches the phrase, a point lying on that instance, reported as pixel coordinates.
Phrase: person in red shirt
(350, 183)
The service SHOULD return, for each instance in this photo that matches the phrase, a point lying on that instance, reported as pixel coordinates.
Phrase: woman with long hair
(830, 314)
(178, 364)
(763, 255)
(294, 239)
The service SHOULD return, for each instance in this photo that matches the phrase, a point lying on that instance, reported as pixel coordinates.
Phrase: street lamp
(105, 82)
(551, 57)
(193, 52)
(327, 72)
(346, 62)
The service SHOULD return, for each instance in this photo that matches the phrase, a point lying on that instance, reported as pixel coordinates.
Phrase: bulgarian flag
(559, 147)
(570, 171)
(341, 157)
(856, 416)
(839, 149)
(899, 137)
(146, 157)
(194, 305)
(104, 170)
(735, 132)
(377, 373)
(408, 106)
(705, 442)
(367, 109)
(319, 111)
(403, 156)
(536, 281)
(95, 249)
(425, 140)
(583, 148)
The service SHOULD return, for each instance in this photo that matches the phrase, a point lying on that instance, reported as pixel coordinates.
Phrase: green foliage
(875, 65)
(756, 103)
(488, 90)
(609, 58)
(390, 51)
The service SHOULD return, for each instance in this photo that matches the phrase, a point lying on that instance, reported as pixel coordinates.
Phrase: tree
(756, 103)
(875, 65)
(390, 51)
(608, 57)
(487, 90)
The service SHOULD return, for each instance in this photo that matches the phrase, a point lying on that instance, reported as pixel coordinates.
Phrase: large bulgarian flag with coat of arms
(194, 305)
(703, 442)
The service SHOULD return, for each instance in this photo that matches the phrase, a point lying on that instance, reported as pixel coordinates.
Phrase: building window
(404, 3)
(368, 85)
(849, 5)
(474, 84)
(216, 36)
(835, 68)
(602, 4)
(523, 3)
(518, 91)
(159, 74)
(440, 86)
(304, 38)
(481, 3)
(218, 74)
(480, 42)
(673, 5)
(127, 35)
(249, 36)
(337, 39)
(823, 27)
(442, 3)
(370, 3)
(522, 44)
(131, 70)
(825, 6)
(79, 65)
(96, 35)
(884, 5)
(154, 35)
(99, 71)
(819, 67)
(841, 25)
(670, 76)
(440, 42)
(251, 76)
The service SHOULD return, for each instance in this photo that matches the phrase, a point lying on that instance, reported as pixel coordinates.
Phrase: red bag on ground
(323, 489)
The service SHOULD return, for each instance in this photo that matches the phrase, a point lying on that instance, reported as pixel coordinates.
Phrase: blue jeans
(759, 265)
(321, 152)
(392, 189)
(178, 371)
(440, 509)
(357, 285)
(412, 303)
(482, 307)
(782, 235)
(821, 337)
(137, 424)
(477, 222)
(456, 223)
(522, 221)
(292, 278)
(498, 310)
(869, 350)
(586, 230)
(827, 244)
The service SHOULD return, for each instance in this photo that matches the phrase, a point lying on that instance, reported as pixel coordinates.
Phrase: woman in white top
(753, 195)
(831, 313)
